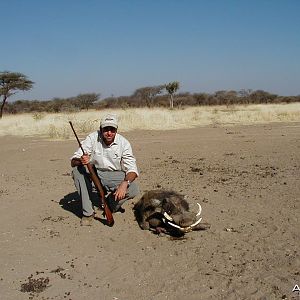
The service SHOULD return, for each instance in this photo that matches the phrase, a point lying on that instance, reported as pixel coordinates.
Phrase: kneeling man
(112, 156)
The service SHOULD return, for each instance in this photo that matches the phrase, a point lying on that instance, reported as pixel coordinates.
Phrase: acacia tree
(172, 88)
(10, 83)
(148, 93)
(85, 101)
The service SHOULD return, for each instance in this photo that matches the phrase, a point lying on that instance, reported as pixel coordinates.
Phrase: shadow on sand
(72, 203)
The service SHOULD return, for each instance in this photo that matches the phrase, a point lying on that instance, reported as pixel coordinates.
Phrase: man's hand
(121, 191)
(85, 159)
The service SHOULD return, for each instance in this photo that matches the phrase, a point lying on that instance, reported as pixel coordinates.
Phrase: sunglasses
(109, 128)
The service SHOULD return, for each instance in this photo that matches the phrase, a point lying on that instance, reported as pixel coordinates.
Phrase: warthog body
(166, 211)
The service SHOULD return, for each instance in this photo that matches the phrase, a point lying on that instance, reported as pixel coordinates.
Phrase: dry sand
(247, 179)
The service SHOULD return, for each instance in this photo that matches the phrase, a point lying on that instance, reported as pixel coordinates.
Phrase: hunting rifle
(98, 185)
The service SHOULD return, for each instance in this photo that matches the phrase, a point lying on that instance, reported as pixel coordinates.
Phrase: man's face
(108, 134)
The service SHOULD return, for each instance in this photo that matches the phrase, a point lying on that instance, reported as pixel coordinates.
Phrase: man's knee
(79, 170)
(80, 177)
(79, 173)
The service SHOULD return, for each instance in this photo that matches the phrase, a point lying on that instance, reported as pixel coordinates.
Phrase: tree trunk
(2, 106)
(171, 101)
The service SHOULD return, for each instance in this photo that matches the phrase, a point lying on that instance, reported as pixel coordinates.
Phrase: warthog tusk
(200, 210)
(168, 217)
(185, 228)
(178, 227)
(182, 229)
(196, 223)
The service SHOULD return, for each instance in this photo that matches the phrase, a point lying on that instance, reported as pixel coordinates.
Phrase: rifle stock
(98, 185)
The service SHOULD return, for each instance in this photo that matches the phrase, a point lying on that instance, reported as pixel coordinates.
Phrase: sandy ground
(247, 179)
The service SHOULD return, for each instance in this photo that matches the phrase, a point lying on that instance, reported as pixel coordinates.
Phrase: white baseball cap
(110, 120)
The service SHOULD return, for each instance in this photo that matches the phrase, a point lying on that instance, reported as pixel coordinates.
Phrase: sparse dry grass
(56, 126)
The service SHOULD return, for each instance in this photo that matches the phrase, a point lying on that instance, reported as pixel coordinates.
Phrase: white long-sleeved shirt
(117, 156)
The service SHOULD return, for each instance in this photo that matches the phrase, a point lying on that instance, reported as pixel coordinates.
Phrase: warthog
(167, 212)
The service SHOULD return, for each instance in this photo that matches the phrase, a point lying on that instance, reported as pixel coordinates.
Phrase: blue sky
(113, 47)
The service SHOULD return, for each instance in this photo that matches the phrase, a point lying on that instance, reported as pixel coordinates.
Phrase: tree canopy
(85, 101)
(10, 83)
(172, 88)
(148, 94)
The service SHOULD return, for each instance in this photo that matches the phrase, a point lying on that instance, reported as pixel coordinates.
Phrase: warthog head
(167, 211)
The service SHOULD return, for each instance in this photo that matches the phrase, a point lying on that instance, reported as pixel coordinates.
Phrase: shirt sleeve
(87, 146)
(128, 160)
